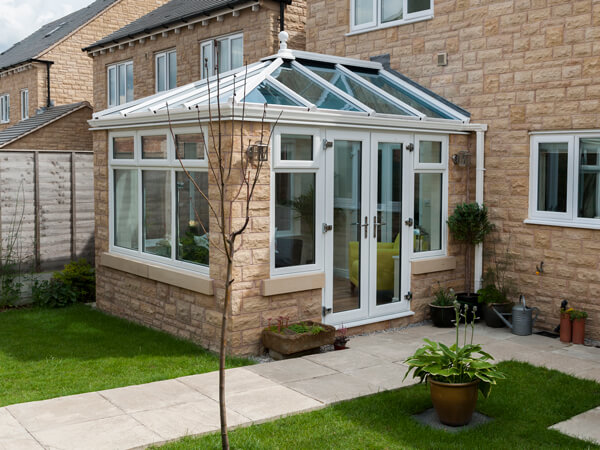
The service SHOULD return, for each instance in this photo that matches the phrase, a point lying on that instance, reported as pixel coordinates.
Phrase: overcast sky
(20, 18)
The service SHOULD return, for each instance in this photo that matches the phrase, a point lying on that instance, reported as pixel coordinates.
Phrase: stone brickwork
(30, 78)
(68, 133)
(519, 66)
(260, 29)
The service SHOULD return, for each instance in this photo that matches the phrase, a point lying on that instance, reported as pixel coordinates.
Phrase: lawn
(523, 407)
(46, 353)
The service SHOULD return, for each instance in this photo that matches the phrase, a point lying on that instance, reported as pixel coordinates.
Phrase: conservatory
(348, 224)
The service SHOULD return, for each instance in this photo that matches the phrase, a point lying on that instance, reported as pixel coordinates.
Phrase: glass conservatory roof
(304, 80)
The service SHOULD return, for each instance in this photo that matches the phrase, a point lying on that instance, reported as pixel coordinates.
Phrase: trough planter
(289, 344)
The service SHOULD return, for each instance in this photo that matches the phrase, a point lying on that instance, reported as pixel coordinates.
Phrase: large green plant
(470, 225)
(455, 364)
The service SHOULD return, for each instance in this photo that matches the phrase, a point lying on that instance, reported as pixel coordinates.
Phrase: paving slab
(57, 412)
(289, 370)
(385, 376)
(20, 443)
(566, 364)
(583, 426)
(581, 351)
(155, 395)
(9, 426)
(590, 374)
(345, 360)
(237, 380)
(535, 341)
(391, 352)
(334, 388)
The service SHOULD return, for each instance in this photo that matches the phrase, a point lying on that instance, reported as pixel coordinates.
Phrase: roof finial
(284, 52)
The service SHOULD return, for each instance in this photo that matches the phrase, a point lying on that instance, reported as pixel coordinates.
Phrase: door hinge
(410, 147)
(326, 310)
(327, 144)
(408, 296)
(327, 228)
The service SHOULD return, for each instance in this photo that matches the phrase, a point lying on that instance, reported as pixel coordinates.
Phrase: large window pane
(223, 55)
(266, 93)
(430, 152)
(589, 178)
(237, 52)
(190, 146)
(413, 6)
(123, 147)
(161, 82)
(156, 193)
(154, 147)
(126, 209)
(391, 10)
(363, 11)
(207, 60)
(172, 70)
(192, 218)
(294, 219)
(112, 86)
(122, 96)
(296, 147)
(129, 94)
(552, 176)
(428, 212)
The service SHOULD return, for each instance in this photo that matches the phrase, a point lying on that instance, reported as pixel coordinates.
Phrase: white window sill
(389, 25)
(565, 224)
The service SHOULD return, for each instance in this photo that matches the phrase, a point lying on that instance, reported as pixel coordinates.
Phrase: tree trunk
(222, 408)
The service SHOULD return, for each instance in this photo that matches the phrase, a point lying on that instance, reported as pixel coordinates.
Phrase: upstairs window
(120, 83)
(4, 108)
(226, 53)
(166, 70)
(372, 14)
(24, 104)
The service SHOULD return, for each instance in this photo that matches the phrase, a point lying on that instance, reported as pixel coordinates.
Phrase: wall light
(461, 158)
(258, 152)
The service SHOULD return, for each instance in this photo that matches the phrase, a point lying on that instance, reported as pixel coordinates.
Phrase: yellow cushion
(397, 242)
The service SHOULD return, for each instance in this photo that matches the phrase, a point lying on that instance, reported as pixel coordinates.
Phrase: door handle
(375, 225)
(365, 225)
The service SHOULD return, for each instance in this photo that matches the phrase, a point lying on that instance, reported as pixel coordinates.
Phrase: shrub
(444, 297)
(574, 314)
(52, 294)
(491, 294)
(80, 278)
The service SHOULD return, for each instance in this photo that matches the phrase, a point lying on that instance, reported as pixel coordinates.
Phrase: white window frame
(24, 104)
(378, 24)
(434, 169)
(116, 66)
(4, 108)
(170, 164)
(165, 54)
(316, 166)
(570, 217)
(209, 48)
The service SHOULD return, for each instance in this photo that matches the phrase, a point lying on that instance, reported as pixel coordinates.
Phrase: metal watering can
(522, 318)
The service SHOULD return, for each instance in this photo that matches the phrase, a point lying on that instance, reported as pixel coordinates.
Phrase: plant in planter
(578, 322)
(341, 339)
(455, 373)
(442, 307)
(565, 323)
(285, 340)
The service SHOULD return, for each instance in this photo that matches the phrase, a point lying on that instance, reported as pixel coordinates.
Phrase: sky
(20, 18)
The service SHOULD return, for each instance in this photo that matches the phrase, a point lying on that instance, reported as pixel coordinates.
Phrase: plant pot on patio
(441, 309)
(470, 300)
(565, 327)
(296, 339)
(578, 325)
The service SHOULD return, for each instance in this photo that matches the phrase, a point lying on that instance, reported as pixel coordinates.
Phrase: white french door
(366, 240)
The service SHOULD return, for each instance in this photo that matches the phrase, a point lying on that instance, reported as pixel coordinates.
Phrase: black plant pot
(491, 318)
(469, 300)
(442, 316)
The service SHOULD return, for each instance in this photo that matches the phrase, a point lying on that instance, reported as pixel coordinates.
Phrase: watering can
(522, 318)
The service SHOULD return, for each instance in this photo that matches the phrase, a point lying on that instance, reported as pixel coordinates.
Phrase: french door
(366, 239)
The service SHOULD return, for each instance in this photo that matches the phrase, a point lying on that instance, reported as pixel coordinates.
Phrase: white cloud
(20, 18)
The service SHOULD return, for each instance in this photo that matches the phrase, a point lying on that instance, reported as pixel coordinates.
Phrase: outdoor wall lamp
(258, 152)
(461, 158)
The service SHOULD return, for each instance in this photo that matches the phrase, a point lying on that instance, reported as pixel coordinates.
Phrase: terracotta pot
(454, 403)
(565, 327)
(578, 331)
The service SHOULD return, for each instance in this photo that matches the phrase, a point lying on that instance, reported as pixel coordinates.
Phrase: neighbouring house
(530, 70)
(46, 91)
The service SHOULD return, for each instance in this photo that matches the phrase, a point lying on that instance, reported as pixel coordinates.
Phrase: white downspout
(480, 168)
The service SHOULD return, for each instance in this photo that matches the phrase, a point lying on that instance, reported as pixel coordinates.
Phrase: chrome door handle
(365, 225)
(375, 225)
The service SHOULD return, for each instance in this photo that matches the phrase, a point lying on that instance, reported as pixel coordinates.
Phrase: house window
(120, 83)
(166, 70)
(372, 14)
(4, 108)
(24, 104)
(295, 198)
(157, 212)
(226, 53)
(430, 203)
(565, 179)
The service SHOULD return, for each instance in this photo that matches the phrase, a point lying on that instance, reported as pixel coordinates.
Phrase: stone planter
(454, 403)
(289, 344)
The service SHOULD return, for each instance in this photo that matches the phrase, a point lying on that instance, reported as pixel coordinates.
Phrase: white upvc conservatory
(358, 186)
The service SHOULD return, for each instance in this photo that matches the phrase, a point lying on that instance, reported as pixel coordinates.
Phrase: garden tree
(233, 176)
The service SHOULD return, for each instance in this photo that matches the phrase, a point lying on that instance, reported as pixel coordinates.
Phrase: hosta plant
(455, 364)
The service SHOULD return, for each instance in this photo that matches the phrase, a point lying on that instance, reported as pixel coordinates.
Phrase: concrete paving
(153, 413)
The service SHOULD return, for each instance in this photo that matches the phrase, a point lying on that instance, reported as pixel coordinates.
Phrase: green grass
(46, 353)
(523, 407)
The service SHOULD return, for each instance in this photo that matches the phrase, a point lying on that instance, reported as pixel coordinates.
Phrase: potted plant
(341, 339)
(455, 373)
(285, 340)
(565, 324)
(442, 308)
(578, 322)
(469, 224)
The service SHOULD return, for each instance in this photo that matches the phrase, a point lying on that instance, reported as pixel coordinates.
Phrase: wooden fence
(47, 200)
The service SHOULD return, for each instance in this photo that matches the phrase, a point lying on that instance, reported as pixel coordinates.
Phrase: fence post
(36, 209)
(73, 209)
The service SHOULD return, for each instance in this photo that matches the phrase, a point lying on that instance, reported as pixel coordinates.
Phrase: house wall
(260, 30)
(12, 84)
(518, 66)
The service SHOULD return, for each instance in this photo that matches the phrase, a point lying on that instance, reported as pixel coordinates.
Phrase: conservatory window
(373, 14)
(226, 53)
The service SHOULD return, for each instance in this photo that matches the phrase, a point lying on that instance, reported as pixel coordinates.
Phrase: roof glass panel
(311, 90)
(356, 90)
(267, 93)
(401, 94)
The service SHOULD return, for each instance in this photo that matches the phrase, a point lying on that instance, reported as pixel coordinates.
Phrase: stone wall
(12, 84)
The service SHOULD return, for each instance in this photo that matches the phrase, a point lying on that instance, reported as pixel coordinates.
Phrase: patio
(138, 416)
